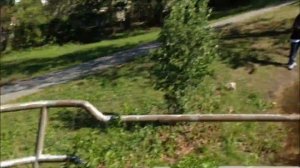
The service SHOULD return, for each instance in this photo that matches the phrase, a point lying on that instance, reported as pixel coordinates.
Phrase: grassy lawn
(128, 90)
(252, 52)
(250, 5)
(39, 61)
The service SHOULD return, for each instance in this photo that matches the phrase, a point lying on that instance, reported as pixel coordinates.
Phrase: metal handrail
(150, 118)
(45, 105)
(56, 103)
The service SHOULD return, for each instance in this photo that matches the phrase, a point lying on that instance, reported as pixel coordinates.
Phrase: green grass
(39, 61)
(127, 89)
(251, 5)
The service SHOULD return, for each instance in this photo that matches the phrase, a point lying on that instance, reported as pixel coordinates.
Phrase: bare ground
(289, 103)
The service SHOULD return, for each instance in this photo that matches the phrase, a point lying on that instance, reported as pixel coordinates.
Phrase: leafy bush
(37, 25)
(82, 23)
(30, 24)
(189, 46)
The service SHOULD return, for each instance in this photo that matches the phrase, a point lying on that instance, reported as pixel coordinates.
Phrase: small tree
(189, 46)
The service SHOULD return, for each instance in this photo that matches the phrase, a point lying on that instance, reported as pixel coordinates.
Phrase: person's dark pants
(293, 52)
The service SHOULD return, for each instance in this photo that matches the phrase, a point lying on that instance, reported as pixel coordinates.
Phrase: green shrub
(30, 24)
(27, 35)
(189, 46)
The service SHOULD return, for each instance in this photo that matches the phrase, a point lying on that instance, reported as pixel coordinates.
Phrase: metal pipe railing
(212, 118)
(33, 159)
(45, 105)
(152, 118)
(41, 135)
(54, 104)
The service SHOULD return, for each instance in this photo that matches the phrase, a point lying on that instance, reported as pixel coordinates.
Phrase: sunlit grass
(39, 61)
(127, 89)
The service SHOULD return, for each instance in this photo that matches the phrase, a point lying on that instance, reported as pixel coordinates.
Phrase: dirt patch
(290, 104)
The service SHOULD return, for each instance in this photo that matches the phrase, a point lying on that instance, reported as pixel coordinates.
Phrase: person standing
(295, 43)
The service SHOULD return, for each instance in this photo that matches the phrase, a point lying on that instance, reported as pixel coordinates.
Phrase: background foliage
(87, 21)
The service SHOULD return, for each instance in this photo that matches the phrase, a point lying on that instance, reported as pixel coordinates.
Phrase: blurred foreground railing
(45, 105)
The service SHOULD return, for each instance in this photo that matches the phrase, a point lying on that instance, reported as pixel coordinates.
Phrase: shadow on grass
(243, 58)
(241, 48)
(138, 68)
(78, 119)
(35, 66)
(132, 32)
(269, 33)
(74, 119)
(248, 6)
(132, 71)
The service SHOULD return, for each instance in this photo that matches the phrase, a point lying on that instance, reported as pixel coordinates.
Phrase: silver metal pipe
(153, 118)
(212, 118)
(56, 103)
(41, 135)
(32, 159)
(44, 105)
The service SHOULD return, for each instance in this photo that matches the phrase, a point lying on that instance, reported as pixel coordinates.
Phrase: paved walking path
(26, 87)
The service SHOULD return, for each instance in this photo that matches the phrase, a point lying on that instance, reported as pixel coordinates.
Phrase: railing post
(41, 135)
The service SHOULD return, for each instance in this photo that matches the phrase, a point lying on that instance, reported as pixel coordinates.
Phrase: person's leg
(293, 52)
